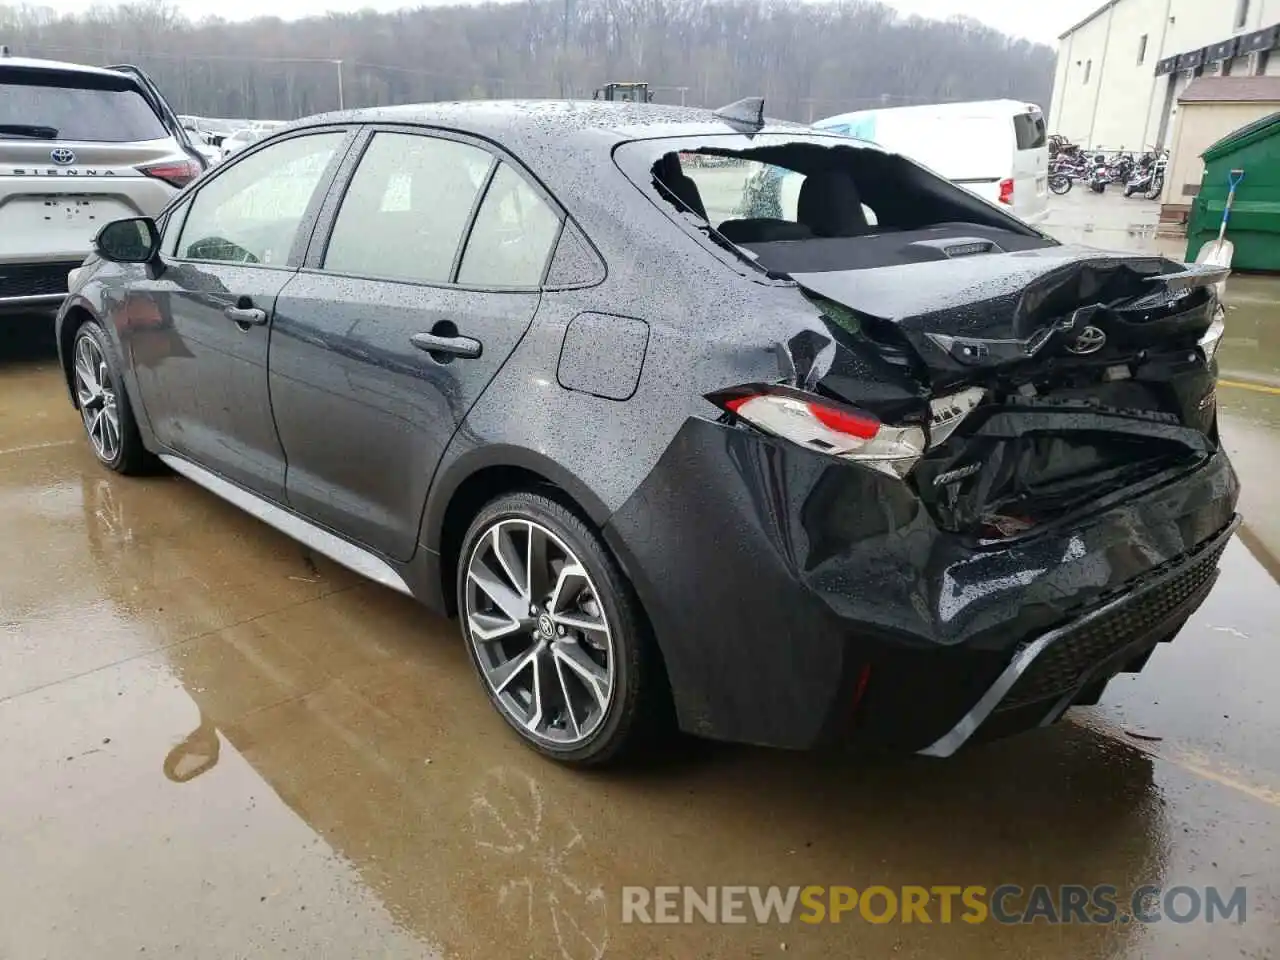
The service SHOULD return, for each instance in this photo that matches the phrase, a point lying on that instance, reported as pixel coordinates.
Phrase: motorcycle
(1148, 177)
(1099, 174)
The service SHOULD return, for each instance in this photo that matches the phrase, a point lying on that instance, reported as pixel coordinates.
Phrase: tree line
(808, 60)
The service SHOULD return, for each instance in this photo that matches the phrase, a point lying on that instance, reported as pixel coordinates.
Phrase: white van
(996, 148)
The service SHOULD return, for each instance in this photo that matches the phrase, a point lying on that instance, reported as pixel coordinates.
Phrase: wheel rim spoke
(487, 628)
(539, 632)
(509, 559)
(571, 579)
(501, 677)
(508, 601)
(572, 622)
(568, 700)
(595, 677)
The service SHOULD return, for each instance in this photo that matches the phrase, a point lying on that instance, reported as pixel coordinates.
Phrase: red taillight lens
(176, 172)
(825, 426)
(854, 424)
(1006, 192)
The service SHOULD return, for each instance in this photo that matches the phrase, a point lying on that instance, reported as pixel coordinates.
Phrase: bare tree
(807, 59)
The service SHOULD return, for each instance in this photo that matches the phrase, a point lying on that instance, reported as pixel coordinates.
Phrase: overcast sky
(1036, 19)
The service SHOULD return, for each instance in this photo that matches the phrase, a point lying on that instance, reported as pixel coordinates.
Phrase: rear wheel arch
(471, 484)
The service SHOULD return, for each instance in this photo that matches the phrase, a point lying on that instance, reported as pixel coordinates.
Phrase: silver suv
(79, 147)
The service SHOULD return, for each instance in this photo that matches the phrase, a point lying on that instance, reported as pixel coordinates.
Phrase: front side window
(251, 212)
(172, 228)
(406, 208)
(512, 236)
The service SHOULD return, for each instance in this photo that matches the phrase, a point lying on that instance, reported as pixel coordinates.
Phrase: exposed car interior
(807, 207)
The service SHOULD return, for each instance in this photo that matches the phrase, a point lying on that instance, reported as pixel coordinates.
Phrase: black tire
(127, 456)
(638, 705)
(1060, 184)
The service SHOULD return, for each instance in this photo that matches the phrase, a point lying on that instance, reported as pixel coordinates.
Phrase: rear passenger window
(512, 237)
(406, 208)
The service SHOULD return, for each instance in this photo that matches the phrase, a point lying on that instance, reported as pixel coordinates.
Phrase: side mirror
(136, 240)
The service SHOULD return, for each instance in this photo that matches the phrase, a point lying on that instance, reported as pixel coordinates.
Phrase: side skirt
(304, 531)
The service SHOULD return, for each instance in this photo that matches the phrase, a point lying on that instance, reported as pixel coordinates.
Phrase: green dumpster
(1254, 226)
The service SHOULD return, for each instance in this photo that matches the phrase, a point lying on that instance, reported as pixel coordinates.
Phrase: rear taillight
(176, 172)
(1213, 336)
(825, 426)
(1006, 192)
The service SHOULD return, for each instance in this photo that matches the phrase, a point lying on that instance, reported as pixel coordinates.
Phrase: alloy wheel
(96, 392)
(539, 632)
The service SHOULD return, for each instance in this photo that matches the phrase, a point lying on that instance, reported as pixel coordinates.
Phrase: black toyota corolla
(680, 411)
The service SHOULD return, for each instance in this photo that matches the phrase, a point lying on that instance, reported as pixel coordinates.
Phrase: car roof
(568, 124)
(56, 66)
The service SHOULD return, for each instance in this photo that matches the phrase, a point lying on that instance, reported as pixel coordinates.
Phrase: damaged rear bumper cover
(1065, 661)
(799, 601)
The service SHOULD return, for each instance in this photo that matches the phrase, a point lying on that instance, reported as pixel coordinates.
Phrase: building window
(1142, 49)
(1088, 69)
(1242, 13)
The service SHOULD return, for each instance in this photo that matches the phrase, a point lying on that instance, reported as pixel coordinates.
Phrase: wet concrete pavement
(217, 746)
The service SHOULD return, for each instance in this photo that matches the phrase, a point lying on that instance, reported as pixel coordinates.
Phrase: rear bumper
(799, 601)
(34, 287)
(38, 303)
(1049, 673)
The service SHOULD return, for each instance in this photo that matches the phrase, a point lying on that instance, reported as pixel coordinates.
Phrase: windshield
(78, 112)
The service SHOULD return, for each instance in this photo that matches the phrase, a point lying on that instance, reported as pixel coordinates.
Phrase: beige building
(1208, 110)
(1122, 70)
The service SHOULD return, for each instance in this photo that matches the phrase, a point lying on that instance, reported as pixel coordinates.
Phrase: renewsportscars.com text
(1005, 904)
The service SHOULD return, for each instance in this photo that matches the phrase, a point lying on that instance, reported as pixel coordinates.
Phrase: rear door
(73, 148)
(1030, 165)
(407, 307)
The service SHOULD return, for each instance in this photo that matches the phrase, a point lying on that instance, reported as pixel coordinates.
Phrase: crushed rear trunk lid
(1051, 381)
(984, 313)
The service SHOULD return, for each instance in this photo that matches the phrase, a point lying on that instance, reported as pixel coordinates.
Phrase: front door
(383, 342)
(202, 367)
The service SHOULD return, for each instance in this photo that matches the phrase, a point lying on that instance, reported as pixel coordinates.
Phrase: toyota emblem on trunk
(1091, 340)
(62, 156)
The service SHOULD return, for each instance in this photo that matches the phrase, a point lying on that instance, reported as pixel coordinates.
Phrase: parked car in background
(79, 147)
(660, 440)
(996, 148)
(241, 139)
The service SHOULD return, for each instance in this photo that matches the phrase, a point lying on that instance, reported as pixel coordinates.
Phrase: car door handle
(468, 348)
(252, 315)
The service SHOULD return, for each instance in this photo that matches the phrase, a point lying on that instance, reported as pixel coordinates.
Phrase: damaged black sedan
(682, 414)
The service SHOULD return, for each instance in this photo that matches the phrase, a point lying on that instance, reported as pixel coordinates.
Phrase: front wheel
(1060, 184)
(554, 630)
(104, 405)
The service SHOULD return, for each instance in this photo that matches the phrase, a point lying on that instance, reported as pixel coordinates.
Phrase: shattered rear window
(815, 203)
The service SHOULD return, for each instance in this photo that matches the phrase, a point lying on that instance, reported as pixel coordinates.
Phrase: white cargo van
(996, 148)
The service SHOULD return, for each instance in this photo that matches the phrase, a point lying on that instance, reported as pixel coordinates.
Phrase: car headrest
(668, 171)
(830, 206)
